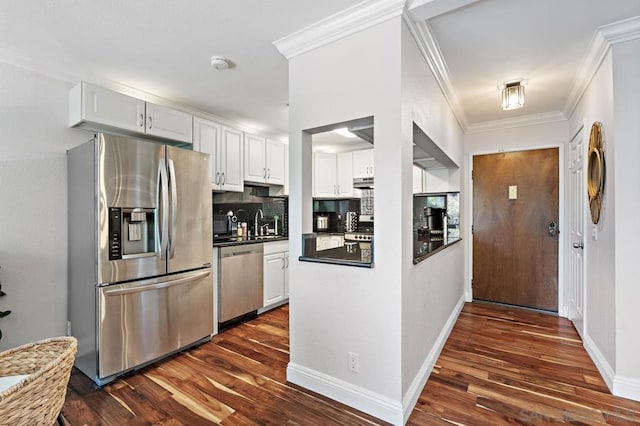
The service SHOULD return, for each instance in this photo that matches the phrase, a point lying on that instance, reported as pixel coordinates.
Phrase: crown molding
(603, 39)
(509, 123)
(354, 19)
(431, 53)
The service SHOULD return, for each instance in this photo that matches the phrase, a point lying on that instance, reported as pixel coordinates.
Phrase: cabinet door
(436, 180)
(324, 175)
(206, 138)
(169, 123)
(255, 169)
(274, 272)
(363, 163)
(323, 242)
(286, 275)
(110, 108)
(275, 162)
(336, 241)
(345, 174)
(418, 179)
(231, 176)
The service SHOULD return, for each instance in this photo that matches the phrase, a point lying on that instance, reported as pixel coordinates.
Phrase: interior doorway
(515, 228)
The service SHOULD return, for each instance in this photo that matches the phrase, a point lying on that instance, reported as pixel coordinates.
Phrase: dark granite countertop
(424, 249)
(351, 254)
(226, 242)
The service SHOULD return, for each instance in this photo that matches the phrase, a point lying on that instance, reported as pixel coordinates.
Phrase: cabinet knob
(141, 122)
(150, 122)
(217, 178)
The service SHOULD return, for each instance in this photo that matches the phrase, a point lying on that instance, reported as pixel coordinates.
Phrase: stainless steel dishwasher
(240, 280)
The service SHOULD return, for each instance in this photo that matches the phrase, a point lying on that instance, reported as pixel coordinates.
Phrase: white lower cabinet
(276, 272)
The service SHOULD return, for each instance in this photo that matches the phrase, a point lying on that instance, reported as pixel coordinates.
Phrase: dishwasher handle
(241, 251)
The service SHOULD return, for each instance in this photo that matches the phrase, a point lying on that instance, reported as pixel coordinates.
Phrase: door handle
(578, 245)
(163, 194)
(552, 229)
(140, 288)
(174, 208)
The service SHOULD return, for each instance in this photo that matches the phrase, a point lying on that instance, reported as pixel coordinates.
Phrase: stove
(358, 236)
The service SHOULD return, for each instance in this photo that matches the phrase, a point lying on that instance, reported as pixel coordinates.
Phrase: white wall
(433, 290)
(33, 204)
(626, 177)
(597, 105)
(339, 309)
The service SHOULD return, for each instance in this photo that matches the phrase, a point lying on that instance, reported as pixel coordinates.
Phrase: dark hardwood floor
(499, 366)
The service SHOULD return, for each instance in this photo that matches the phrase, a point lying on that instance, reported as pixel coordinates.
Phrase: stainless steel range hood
(363, 183)
(364, 132)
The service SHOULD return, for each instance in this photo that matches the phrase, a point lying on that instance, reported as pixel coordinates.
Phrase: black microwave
(224, 227)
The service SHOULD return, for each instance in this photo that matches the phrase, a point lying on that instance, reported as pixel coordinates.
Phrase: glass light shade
(513, 96)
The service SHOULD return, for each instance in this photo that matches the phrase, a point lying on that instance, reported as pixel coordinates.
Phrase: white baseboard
(357, 397)
(413, 393)
(599, 360)
(626, 387)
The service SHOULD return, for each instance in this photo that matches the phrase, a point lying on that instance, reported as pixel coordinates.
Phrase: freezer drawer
(141, 321)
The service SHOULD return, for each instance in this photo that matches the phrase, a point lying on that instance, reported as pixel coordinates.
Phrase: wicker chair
(38, 398)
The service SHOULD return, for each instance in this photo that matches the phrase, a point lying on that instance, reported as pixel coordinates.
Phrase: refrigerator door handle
(174, 205)
(165, 284)
(164, 208)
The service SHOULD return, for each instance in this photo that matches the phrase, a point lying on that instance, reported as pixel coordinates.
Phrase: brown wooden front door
(515, 199)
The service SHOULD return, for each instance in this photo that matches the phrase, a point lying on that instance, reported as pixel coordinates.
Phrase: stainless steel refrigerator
(140, 255)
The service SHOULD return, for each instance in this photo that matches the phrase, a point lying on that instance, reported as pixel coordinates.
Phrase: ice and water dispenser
(132, 232)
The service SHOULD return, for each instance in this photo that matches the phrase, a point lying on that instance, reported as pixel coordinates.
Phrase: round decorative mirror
(595, 171)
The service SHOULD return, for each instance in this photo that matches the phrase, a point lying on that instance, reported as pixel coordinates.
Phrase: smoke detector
(219, 63)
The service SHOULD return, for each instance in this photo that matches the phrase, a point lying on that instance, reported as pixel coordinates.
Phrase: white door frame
(562, 236)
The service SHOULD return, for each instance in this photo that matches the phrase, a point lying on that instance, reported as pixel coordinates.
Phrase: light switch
(513, 192)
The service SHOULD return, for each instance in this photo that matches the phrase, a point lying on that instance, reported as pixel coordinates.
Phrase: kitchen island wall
(33, 224)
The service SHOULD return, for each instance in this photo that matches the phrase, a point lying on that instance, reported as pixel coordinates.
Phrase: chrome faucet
(255, 221)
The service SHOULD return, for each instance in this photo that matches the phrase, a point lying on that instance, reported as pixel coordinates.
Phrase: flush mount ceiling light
(219, 63)
(512, 96)
(344, 132)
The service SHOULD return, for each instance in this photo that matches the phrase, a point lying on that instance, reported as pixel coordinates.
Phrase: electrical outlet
(353, 363)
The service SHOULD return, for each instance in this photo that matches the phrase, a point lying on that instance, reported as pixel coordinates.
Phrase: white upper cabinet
(276, 162)
(231, 176)
(418, 179)
(169, 123)
(363, 163)
(99, 105)
(98, 108)
(324, 175)
(225, 146)
(332, 175)
(436, 180)
(264, 160)
(255, 169)
(344, 177)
